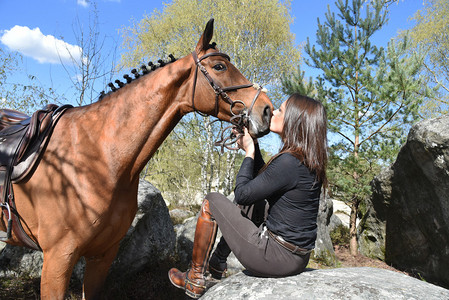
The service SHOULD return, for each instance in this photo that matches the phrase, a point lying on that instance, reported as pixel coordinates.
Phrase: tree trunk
(353, 246)
(229, 179)
(210, 164)
(205, 186)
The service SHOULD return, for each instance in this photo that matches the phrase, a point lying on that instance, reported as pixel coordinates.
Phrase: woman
(291, 183)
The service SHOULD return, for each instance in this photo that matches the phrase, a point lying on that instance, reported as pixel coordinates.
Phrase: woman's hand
(246, 143)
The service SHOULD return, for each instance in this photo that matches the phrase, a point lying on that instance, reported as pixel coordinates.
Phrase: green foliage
(255, 33)
(340, 235)
(326, 258)
(430, 36)
(371, 94)
(23, 97)
(296, 83)
(170, 168)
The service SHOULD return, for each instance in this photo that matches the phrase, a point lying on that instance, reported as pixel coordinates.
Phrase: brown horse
(82, 198)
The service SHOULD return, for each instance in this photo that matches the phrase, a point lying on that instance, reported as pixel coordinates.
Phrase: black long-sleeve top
(291, 191)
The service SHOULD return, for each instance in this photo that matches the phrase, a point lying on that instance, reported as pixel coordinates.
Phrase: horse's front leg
(56, 272)
(96, 271)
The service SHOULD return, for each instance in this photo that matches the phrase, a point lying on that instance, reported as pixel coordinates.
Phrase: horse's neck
(141, 115)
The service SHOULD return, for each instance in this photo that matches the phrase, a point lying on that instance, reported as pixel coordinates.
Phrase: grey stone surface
(329, 284)
(180, 214)
(151, 237)
(372, 227)
(15, 261)
(409, 209)
(324, 250)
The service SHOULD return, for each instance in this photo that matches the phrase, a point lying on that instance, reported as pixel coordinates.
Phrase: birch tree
(430, 35)
(91, 72)
(254, 33)
(24, 97)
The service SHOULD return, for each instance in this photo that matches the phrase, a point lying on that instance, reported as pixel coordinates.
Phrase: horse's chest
(115, 220)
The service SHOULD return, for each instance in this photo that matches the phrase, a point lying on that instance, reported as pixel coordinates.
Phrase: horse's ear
(205, 39)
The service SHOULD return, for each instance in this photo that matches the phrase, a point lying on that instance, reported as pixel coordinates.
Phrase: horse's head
(224, 92)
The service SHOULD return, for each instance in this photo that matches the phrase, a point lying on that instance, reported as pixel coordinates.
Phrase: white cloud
(83, 3)
(78, 77)
(43, 48)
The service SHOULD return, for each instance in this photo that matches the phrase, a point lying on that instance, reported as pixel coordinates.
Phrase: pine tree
(369, 93)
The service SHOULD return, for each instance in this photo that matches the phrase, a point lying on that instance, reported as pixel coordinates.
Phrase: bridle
(238, 121)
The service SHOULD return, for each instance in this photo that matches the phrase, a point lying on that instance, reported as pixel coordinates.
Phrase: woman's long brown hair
(304, 133)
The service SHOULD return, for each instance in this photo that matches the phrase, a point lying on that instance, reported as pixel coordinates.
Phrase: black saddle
(22, 143)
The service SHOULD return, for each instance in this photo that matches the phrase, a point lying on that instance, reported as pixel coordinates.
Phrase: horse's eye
(219, 67)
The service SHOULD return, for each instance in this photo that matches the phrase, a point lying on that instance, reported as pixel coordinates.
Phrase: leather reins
(238, 121)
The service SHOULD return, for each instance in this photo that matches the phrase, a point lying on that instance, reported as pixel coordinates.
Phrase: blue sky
(35, 27)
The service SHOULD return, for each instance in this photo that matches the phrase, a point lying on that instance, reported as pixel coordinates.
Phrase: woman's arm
(258, 159)
(246, 143)
(276, 179)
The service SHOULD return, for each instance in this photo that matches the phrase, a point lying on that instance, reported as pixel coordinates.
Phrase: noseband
(238, 121)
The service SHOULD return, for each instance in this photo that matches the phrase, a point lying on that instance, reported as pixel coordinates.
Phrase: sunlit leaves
(19, 96)
(430, 36)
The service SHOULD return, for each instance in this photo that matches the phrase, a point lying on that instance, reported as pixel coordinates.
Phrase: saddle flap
(10, 143)
(10, 117)
(25, 136)
(3, 170)
(12, 129)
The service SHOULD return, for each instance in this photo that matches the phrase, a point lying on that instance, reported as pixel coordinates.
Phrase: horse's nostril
(267, 113)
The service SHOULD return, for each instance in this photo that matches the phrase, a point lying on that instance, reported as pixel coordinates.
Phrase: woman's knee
(212, 196)
(214, 199)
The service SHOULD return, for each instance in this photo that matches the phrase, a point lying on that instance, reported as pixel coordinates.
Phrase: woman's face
(277, 120)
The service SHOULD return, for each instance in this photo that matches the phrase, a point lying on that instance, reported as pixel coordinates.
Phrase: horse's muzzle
(259, 124)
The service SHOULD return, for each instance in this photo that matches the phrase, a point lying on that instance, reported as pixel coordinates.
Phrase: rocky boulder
(408, 217)
(329, 284)
(372, 227)
(150, 239)
(324, 250)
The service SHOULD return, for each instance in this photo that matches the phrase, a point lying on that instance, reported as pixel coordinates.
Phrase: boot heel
(194, 290)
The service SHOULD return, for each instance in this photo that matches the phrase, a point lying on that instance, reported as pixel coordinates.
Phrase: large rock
(372, 227)
(324, 250)
(150, 239)
(409, 213)
(329, 284)
(16, 261)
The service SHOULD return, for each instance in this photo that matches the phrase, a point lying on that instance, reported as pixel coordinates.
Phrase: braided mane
(135, 72)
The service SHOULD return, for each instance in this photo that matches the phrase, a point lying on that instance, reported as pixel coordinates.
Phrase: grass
(28, 288)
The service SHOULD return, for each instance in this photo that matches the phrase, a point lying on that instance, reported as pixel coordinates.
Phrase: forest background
(374, 91)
